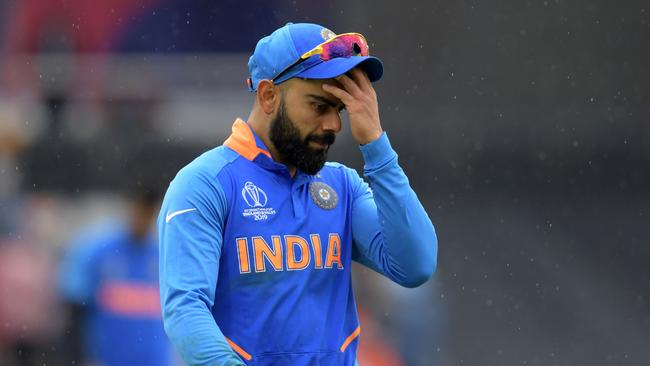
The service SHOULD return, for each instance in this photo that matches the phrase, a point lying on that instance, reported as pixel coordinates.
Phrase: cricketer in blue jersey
(257, 236)
(109, 282)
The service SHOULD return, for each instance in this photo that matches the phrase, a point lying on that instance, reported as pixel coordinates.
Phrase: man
(109, 282)
(257, 236)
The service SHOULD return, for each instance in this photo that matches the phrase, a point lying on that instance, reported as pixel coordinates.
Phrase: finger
(342, 94)
(361, 78)
(349, 85)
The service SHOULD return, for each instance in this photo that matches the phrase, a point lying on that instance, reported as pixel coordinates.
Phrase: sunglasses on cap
(343, 45)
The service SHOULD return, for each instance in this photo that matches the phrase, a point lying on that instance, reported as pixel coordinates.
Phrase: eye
(320, 108)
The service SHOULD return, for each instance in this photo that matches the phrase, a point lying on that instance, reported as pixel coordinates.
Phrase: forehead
(304, 87)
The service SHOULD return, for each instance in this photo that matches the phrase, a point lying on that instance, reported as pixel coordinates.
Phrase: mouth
(322, 142)
(319, 145)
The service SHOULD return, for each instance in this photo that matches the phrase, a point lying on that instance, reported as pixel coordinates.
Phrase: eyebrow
(325, 100)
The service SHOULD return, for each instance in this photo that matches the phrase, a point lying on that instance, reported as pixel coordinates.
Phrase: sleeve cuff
(377, 153)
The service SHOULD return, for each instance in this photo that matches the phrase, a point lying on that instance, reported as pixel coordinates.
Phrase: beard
(295, 149)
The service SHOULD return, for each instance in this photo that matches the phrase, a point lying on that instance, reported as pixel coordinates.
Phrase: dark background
(524, 127)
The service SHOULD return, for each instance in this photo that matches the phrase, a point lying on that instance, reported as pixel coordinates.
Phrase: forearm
(190, 234)
(406, 244)
(187, 281)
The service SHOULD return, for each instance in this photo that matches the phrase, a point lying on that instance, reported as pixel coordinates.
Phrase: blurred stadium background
(524, 127)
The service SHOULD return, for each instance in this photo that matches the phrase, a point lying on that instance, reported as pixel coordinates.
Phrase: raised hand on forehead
(360, 100)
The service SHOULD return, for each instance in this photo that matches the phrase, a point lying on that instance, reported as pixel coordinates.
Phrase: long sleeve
(391, 230)
(190, 227)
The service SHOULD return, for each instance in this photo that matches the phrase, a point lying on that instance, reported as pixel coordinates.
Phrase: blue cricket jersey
(116, 278)
(255, 264)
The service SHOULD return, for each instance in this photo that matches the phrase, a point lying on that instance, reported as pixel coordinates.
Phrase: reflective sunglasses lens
(345, 46)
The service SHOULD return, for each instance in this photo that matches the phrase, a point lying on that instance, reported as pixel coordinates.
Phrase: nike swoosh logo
(176, 213)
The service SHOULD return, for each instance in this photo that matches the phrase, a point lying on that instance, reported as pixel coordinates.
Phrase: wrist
(377, 153)
(370, 137)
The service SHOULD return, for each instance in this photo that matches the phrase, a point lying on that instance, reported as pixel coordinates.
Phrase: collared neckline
(245, 142)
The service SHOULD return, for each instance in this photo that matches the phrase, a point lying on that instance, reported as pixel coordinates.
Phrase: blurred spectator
(419, 319)
(12, 142)
(375, 348)
(27, 306)
(400, 326)
(29, 315)
(63, 26)
(75, 27)
(109, 283)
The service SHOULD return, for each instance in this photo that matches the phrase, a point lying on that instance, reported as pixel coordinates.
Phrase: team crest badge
(327, 34)
(323, 195)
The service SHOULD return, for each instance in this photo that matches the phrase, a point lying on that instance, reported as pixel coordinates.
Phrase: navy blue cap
(276, 52)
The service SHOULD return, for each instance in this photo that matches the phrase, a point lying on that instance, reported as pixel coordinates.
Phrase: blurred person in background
(109, 283)
(28, 312)
(397, 322)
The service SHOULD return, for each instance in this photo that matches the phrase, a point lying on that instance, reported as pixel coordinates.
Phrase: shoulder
(208, 165)
(200, 185)
(334, 166)
(341, 171)
(204, 172)
(347, 177)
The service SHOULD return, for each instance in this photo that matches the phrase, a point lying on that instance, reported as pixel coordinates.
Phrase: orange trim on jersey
(350, 338)
(247, 356)
(243, 142)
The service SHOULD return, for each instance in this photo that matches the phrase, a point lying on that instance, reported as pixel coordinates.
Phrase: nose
(331, 123)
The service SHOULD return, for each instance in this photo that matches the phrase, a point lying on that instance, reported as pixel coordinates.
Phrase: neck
(260, 125)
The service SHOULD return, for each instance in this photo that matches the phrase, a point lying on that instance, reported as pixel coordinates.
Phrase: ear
(268, 96)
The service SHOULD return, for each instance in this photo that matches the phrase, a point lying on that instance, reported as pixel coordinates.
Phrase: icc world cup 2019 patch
(323, 195)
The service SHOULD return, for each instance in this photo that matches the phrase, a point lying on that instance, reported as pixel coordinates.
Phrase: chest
(279, 225)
